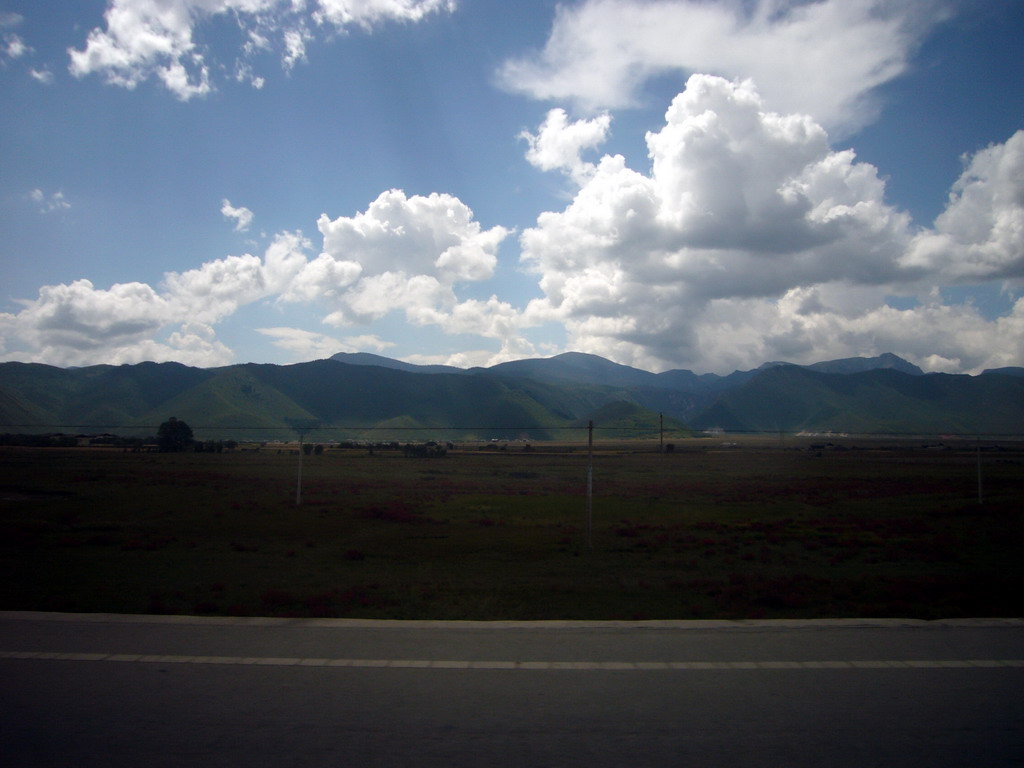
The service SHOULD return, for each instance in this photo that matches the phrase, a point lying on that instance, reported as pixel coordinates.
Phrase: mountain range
(365, 396)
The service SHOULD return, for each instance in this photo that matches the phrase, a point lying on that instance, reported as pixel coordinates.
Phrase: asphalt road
(161, 691)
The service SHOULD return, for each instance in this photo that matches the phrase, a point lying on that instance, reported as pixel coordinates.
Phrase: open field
(763, 529)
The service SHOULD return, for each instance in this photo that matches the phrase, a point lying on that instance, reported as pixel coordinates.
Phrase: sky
(697, 184)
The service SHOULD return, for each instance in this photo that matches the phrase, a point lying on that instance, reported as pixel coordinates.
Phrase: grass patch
(751, 532)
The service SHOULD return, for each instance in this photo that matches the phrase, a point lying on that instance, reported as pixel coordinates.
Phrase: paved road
(154, 691)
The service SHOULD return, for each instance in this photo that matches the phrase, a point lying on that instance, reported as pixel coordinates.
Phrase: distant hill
(579, 368)
(366, 358)
(31, 393)
(262, 401)
(860, 364)
(790, 398)
(372, 397)
(591, 369)
(681, 393)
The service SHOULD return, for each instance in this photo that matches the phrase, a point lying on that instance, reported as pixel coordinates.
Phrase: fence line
(653, 431)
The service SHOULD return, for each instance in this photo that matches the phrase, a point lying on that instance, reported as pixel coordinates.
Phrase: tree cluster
(173, 436)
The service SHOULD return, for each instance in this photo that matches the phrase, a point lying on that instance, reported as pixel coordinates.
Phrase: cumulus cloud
(309, 345)
(80, 324)
(243, 216)
(412, 254)
(74, 323)
(821, 58)
(404, 252)
(751, 239)
(558, 144)
(162, 38)
(747, 238)
(980, 235)
(806, 325)
(219, 287)
(144, 38)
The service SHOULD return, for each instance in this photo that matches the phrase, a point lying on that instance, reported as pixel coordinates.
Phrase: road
(101, 690)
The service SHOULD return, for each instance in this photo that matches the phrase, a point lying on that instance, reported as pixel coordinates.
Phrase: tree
(174, 435)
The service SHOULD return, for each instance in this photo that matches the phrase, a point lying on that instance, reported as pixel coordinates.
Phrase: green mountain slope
(790, 398)
(95, 397)
(231, 404)
(625, 419)
(263, 401)
(577, 367)
(363, 397)
(348, 401)
(35, 391)
(22, 414)
(367, 358)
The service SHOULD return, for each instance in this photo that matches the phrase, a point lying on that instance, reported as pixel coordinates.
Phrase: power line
(713, 433)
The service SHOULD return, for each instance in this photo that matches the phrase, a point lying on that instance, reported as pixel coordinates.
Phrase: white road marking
(519, 665)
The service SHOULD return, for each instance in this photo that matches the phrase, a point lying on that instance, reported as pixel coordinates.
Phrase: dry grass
(759, 530)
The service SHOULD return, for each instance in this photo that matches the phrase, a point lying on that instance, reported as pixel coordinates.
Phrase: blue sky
(671, 184)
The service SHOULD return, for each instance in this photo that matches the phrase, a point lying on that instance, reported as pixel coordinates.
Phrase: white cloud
(295, 47)
(217, 288)
(980, 235)
(375, 296)
(367, 13)
(144, 38)
(14, 47)
(821, 58)
(49, 203)
(750, 240)
(402, 252)
(79, 324)
(558, 143)
(418, 235)
(471, 358)
(307, 345)
(43, 75)
(805, 326)
(412, 254)
(162, 38)
(243, 216)
(747, 239)
(244, 74)
(192, 344)
(739, 201)
(322, 279)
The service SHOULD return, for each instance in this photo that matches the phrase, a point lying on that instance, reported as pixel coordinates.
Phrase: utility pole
(590, 485)
(301, 426)
(298, 487)
(661, 433)
(981, 496)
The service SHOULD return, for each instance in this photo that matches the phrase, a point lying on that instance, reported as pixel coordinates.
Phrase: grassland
(756, 530)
